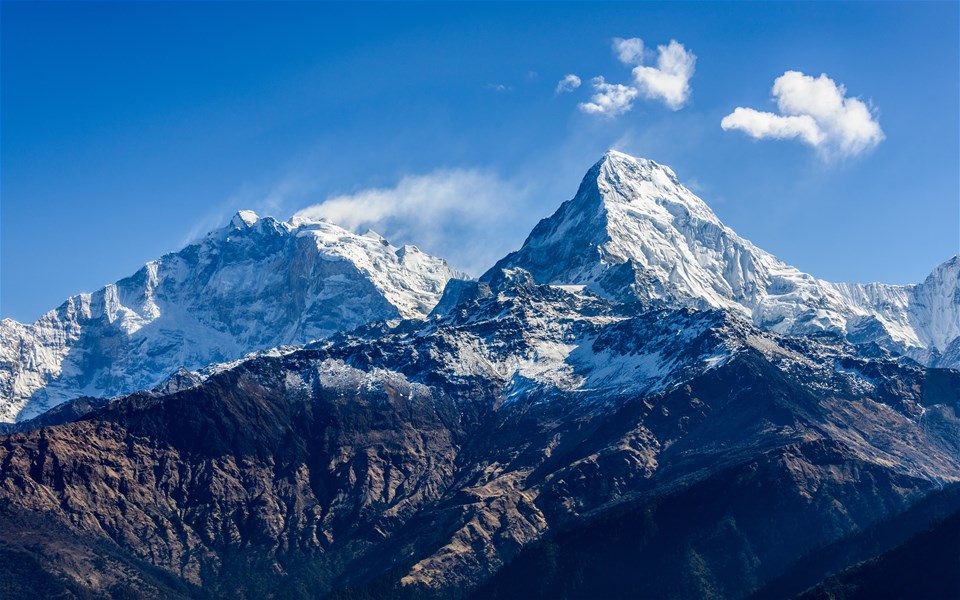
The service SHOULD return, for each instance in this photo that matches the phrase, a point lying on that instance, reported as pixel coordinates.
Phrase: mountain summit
(257, 283)
(633, 231)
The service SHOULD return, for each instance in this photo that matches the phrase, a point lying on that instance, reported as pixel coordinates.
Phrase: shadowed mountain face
(885, 536)
(432, 453)
(926, 566)
(638, 403)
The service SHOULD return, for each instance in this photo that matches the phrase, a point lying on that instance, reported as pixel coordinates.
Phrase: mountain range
(637, 403)
(253, 285)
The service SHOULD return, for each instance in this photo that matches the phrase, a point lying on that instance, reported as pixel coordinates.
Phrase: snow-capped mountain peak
(935, 310)
(624, 179)
(244, 218)
(634, 213)
(633, 230)
(254, 284)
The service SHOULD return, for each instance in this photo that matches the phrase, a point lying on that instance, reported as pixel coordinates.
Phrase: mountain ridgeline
(633, 231)
(638, 403)
(254, 285)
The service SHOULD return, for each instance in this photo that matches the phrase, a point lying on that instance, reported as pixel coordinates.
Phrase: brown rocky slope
(420, 459)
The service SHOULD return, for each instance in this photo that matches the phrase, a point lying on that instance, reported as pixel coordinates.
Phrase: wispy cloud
(667, 82)
(266, 198)
(451, 213)
(815, 111)
(568, 84)
(629, 51)
(499, 87)
(609, 99)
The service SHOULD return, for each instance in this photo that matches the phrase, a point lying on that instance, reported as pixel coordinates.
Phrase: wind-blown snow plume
(442, 211)
(817, 112)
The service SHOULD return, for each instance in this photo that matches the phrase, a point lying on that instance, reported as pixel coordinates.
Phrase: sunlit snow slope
(633, 230)
(255, 284)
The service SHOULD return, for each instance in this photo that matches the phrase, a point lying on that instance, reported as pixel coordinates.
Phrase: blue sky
(130, 129)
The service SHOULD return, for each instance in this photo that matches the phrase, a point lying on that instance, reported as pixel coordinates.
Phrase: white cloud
(568, 84)
(669, 81)
(816, 111)
(498, 87)
(629, 51)
(761, 125)
(610, 99)
(449, 213)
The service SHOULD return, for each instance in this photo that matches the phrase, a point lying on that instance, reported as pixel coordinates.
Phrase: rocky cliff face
(431, 453)
(256, 284)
